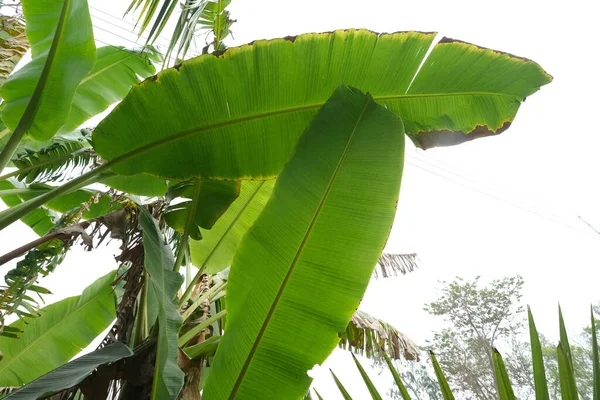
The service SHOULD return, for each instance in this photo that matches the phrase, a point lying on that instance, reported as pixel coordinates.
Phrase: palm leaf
(444, 387)
(13, 44)
(164, 282)
(50, 163)
(371, 337)
(505, 391)
(339, 188)
(72, 373)
(595, 360)
(372, 389)
(61, 37)
(61, 332)
(539, 374)
(247, 107)
(566, 375)
(392, 264)
(397, 380)
(341, 387)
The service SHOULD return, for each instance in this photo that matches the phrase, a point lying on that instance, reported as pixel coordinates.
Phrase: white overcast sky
(492, 207)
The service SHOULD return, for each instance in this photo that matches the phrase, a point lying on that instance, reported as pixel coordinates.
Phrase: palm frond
(197, 17)
(394, 264)
(368, 336)
(51, 162)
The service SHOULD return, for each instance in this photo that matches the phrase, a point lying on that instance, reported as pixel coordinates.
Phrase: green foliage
(61, 331)
(158, 261)
(234, 131)
(215, 251)
(72, 373)
(564, 358)
(206, 140)
(61, 37)
(337, 162)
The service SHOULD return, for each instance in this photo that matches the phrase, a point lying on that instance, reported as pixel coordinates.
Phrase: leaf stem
(32, 106)
(208, 294)
(9, 216)
(198, 328)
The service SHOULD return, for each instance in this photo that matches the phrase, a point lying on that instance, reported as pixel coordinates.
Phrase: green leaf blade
(72, 373)
(61, 37)
(63, 330)
(372, 389)
(399, 384)
(539, 373)
(444, 386)
(595, 357)
(505, 390)
(352, 148)
(215, 251)
(116, 70)
(158, 261)
(240, 130)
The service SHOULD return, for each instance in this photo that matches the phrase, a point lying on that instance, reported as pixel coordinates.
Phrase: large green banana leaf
(115, 72)
(215, 251)
(304, 265)
(239, 114)
(38, 96)
(72, 373)
(63, 330)
(164, 283)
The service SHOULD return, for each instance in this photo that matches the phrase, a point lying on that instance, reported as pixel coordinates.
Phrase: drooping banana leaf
(164, 282)
(38, 96)
(72, 373)
(13, 44)
(63, 330)
(304, 265)
(215, 251)
(239, 114)
(116, 70)
(371, 337)
(208, 202)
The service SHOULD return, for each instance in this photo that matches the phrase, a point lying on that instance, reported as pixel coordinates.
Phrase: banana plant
(281, 159)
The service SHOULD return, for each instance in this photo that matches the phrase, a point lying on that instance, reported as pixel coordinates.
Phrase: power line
(502, 200)
(449, 169)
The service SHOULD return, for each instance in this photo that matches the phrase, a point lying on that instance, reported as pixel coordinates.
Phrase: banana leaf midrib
(282, 111)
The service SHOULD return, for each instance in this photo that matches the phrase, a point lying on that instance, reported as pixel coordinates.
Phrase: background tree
(479, 317)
